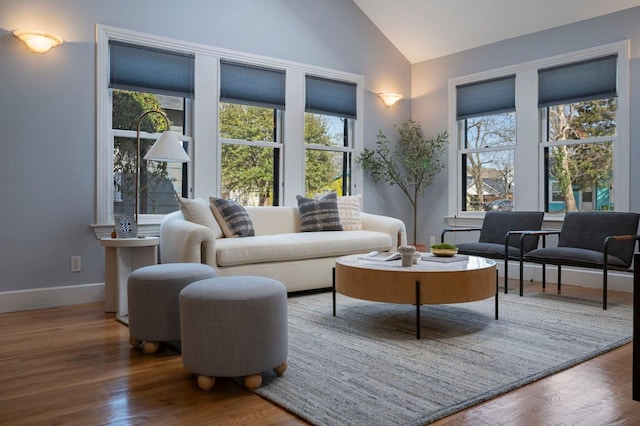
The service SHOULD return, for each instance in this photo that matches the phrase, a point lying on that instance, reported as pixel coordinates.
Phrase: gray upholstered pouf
(153, 291)
(234, 327)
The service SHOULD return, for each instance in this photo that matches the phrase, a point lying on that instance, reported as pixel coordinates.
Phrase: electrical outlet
(76, 263)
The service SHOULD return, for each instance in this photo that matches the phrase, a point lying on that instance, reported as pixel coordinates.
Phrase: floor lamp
(167, 148)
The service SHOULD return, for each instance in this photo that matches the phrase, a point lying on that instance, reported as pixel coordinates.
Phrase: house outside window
(563, 146)
(487, 123)
(579, 105)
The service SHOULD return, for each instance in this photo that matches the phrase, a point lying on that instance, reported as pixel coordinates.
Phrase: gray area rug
(365, 366)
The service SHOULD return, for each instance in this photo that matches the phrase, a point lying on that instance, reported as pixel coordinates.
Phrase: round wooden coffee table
(434, 281)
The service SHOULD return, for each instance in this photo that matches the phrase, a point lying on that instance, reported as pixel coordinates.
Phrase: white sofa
(300, 260)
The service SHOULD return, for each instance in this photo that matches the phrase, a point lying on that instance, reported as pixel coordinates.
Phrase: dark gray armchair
(501, 237)
(600, 240)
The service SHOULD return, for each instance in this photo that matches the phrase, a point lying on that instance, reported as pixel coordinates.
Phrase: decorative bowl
(444, 252)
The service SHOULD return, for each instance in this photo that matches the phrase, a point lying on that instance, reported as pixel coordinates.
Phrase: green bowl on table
(444, 250)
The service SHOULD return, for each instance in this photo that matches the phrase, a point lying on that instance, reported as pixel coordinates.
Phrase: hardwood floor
(74, 366)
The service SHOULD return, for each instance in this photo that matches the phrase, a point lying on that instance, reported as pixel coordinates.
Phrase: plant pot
(420, 247)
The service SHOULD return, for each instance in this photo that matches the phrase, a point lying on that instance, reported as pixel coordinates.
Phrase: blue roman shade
(330, 97)
(252, 85)
(148, 69)
(486, 97)
(578, 82)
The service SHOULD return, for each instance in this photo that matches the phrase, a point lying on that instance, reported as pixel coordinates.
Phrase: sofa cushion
(298, 245)
(349, 212)
(319, 215)
(232, 218)
(270, 220)
(199, 211)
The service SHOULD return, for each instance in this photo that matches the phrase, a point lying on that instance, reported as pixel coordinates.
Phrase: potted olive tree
(411, 164)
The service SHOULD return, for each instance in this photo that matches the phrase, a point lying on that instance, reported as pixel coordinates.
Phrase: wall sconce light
(389, 99)
(37, 41)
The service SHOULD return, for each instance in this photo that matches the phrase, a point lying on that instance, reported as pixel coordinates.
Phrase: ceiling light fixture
(38, 41)
(390, 99)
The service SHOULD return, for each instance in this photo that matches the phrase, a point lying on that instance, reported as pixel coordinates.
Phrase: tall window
(239, 119)
(251, 110)
(487, 126)
(579, 108)
(143, 79)
(328, 135)
(548, 135)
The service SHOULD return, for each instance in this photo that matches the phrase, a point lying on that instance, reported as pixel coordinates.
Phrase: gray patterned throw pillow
(232, 218)
(319, 215)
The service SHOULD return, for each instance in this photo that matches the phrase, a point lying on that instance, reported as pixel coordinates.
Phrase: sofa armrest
(389, 225)
(184, 241)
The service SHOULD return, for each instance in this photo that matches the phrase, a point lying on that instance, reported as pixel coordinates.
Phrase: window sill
(550, 222)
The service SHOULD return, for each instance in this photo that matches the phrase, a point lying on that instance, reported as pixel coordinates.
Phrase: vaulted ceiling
(427, 29)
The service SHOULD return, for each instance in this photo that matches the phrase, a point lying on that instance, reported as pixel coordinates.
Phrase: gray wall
(47, 104)
(430, 80)
(48, 108)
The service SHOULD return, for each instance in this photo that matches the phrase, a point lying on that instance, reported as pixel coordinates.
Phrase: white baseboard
(40, 298)
(581, 277)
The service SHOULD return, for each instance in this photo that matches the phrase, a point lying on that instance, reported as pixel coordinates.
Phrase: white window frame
(277, 144)
(204, 176)
(131, 134)
(529, 134)
(336, 148)
(481, 150)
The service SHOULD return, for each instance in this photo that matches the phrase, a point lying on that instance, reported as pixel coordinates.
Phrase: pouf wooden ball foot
(150, 347)
(206, 382)
(279, 370)
(147, 347)
(253, 382)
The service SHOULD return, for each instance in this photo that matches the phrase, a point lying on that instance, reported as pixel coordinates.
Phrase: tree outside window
(488, 159)
(159, 181)
(579, 155)
(250, 153)
(328, 156)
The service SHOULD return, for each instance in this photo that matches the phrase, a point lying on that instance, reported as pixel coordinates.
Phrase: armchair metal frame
(509, 236)
(603, 263)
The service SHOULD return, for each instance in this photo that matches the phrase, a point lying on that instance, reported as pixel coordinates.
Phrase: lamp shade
(167, 148)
